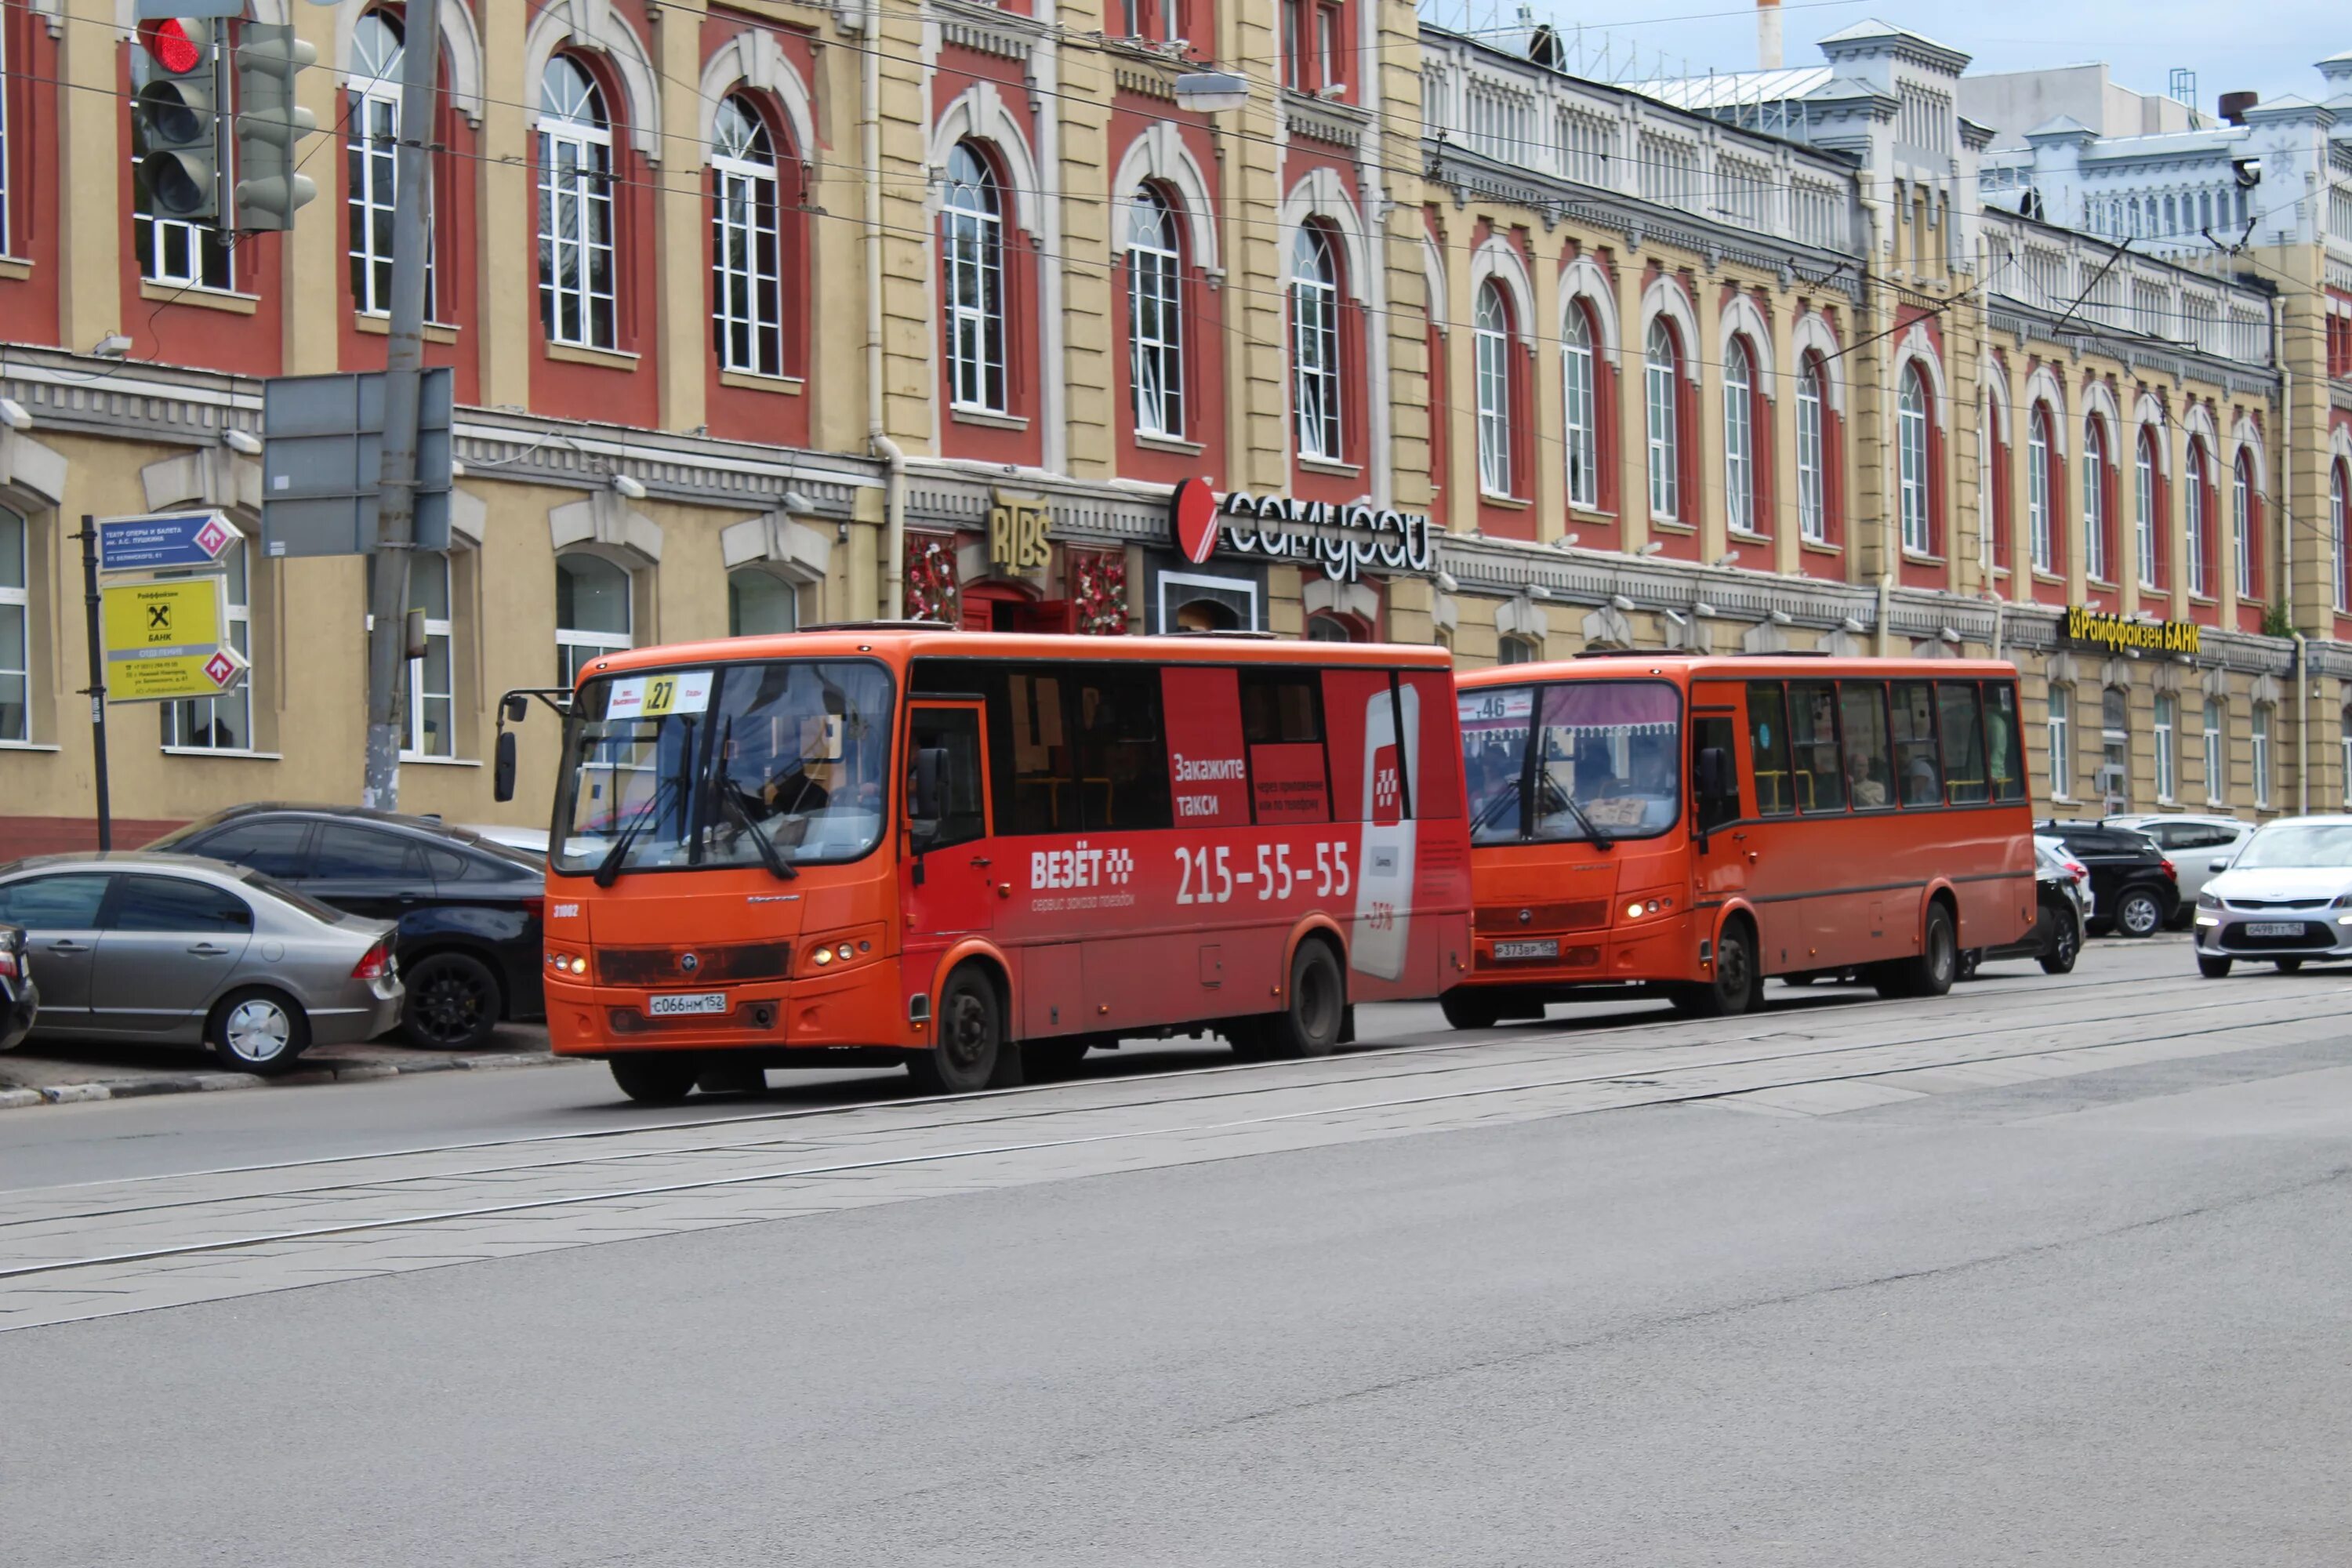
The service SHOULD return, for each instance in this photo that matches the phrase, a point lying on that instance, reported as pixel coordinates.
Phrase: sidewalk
(65, 1073)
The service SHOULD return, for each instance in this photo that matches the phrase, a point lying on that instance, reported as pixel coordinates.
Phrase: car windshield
(1578, 760)
(2323, 846)
(702, 766)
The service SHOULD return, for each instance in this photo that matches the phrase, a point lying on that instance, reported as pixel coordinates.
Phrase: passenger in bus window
(1866, 791)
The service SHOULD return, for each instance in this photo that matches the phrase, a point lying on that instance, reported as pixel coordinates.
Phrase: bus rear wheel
(968, 1049)
(655, 1078)
(1318, 1013)
(1931, 973)
(1733, 989)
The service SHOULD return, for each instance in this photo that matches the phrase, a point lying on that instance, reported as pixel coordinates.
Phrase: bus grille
(747, 1016)
(1582, 914)
(715, 964)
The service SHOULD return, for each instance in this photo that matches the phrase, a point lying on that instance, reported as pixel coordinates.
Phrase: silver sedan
(177, 950)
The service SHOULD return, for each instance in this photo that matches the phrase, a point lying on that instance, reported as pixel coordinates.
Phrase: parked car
(2135, 885)
(2064, 914)
(531, 841)
(2192, 842)
(468, 910)
(2045, 844)
(177, 950)
(20, 999)
(2285, 897)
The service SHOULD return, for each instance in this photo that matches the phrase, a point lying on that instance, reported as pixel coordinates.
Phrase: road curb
(211, 1082)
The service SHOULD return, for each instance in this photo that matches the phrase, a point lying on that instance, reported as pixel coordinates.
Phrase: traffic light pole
(403, 364)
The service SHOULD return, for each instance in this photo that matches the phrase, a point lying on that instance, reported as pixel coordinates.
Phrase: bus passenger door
(1720, 869)
(950, 880)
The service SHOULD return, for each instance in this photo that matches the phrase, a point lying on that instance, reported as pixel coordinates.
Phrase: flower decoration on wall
(932, 593)
(1099, 593)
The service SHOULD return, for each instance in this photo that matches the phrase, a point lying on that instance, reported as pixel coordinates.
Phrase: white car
(2051, 850)
(2285, 897)
(2193, 842)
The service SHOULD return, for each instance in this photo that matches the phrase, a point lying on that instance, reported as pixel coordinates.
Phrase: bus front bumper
(855, 1009)
(1656, 948)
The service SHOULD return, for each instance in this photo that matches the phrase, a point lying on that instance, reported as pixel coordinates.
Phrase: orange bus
(1694, 824)
(973, 853)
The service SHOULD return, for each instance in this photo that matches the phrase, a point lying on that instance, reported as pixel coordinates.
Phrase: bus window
(1437, 784)
(1122, 758)
(1767, 748)
(1608, 757)
(2004, 750)
(1032, 752)
(1281, 724)
(1207, 768)
(1915, 768)
(1495, 723)
(1813, 737)
(1862, 721)
(955, 733)
(1280, 708)
(1714, 731)
(1368, 772)
(1963, 727)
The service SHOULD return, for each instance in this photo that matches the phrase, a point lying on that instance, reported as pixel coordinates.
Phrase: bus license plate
(2275, 928)
(677, 1003)
(1548, 947)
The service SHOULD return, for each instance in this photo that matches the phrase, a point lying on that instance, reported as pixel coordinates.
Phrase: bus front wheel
(1733, 989)
(967, 1048)
(1318, 1013)
(655, 1078)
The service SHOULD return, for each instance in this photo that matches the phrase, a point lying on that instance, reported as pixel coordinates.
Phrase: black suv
(470, 942)
(2135, 890)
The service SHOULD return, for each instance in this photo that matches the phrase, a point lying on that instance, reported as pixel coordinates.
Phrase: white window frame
(16, 658)
(2167, 757)
(1491, 357)
(2037, 487)
(7, 232)
(2215, 761)
(582, 193)
(2096, 567)
(575, 649)
(441, 631)
(2258, 750)
(2144, 507)
(1740, 438)
(1813, 453)
(183, 720)
(2059, 738)
(2192, 506)
(2337, 525)
(1314, 346)
(1661, 363)
(971, 239)
(2242, 507)
(747, 242)
(1911, 445)
(1581, 409)
(2346, 746)
(1155, 315)
(373, 173)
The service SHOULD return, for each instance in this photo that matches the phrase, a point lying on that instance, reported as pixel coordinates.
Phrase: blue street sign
(163, 541)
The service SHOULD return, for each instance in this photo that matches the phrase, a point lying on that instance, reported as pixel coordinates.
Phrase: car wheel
(453, 1003)
(1467, 1009)
(655, 1078)
(2139, 913)
(2288, 965)
(968, 1050)
(258, 1031)
(2065, 946)
(2212, 968)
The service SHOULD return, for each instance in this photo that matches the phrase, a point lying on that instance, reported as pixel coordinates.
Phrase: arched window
(1812, 452)
(759, 602)
(592, 614)
(576, 281)
(1514, 650)
(1325, 626)
(2200, 526)
(2098, 559)
(1491, 338)
(2144, 528)
(2037, 490)
(1660, 368)
(1155, 315)
(2337, 487)
(373, 161)
(1911, 448)
(972, 240)
(2242, 527)
(746, 243)
(1315, 344)
(1576, 361)
(1740, 438)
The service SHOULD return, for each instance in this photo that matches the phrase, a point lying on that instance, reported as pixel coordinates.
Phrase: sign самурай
(168, 640)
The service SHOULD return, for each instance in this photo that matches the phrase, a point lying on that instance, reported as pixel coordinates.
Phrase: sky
(2266, 46)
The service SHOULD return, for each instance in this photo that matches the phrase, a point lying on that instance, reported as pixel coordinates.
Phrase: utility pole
(404, 364)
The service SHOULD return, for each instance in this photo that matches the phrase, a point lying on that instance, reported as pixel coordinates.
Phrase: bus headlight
(568, 964)
(838, 950)
(1647, 905)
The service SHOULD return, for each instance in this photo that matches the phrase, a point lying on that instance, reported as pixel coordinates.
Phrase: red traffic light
(169, 45)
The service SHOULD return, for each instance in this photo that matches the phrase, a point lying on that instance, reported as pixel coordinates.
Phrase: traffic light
(178, 118)
(269, 128)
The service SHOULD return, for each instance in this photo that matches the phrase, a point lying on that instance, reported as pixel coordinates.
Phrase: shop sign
(1017, 545)
(1343, 540)
(2114, 632)
(167, 640)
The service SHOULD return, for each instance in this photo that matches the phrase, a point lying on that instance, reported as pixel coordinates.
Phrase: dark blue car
(468, 909)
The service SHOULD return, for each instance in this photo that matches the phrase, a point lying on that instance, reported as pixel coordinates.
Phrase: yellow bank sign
(166, 640)
(2101, 629)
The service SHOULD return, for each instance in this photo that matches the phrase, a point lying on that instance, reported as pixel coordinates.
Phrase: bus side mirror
(517, 708)
(502, 767)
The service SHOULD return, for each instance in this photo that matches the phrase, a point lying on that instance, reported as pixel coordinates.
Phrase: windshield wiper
(731, 799)
(608, 870)
(1599, 840)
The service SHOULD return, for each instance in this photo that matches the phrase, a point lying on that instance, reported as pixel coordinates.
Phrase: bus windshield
(1587, 760)
(779, 763)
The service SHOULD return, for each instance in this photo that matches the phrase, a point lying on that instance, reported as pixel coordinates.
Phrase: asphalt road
(1994, 1318)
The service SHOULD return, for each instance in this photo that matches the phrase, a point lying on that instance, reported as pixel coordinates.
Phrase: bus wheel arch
(1931, 971)
(1735, 979)
(1313, 1018)
(972, 1044)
